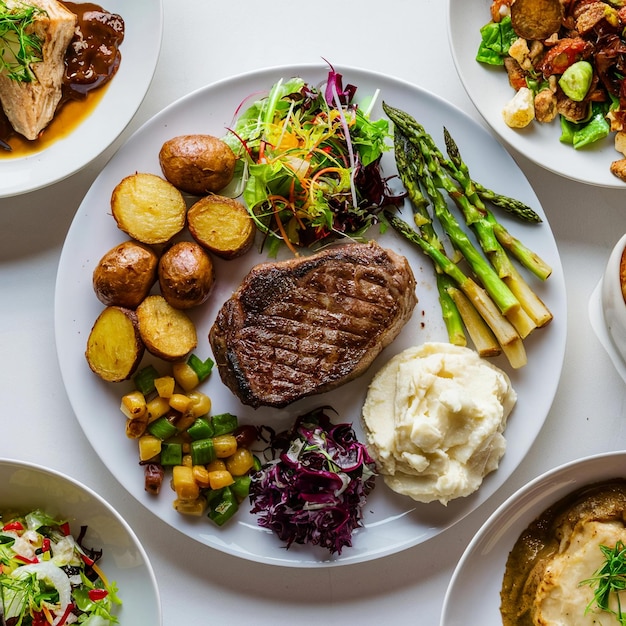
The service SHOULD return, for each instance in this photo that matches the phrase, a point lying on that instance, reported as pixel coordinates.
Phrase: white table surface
(203, 42)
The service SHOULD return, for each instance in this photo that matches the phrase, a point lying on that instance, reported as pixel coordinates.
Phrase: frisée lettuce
(309, 159)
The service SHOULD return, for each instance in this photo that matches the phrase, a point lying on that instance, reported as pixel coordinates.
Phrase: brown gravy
(86, 72)
(539, 542)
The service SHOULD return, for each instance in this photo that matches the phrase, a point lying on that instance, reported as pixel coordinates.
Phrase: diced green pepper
(200, 367)
(162, 428)
(144, 379)
(241, 487)
(224, 423)
(201, 429)
(222, 509)
(202, 451)
(171, 454)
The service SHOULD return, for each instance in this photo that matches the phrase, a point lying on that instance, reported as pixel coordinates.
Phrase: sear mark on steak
(310, 324)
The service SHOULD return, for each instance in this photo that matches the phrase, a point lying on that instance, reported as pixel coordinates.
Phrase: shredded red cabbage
(314, 491)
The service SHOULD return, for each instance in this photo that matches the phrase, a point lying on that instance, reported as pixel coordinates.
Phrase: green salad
(47, 577)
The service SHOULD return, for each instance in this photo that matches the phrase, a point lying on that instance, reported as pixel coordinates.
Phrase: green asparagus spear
(459, 170)
(511, 205)
(505, 333)
(406, 164)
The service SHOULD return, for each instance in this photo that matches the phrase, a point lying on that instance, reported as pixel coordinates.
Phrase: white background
(203, 42)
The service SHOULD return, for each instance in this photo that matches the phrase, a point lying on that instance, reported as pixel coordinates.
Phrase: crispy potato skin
(197, 164)
(221, 225)
(114, 347)
(536, 19)
(125, 274)
(186, 275)
(165, 331)
(148, 208)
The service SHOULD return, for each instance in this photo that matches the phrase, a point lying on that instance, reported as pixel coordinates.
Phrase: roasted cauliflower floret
(520, 110)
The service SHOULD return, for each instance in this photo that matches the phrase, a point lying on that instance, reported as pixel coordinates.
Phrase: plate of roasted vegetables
(303, 489)
(73, 76)
(547, 79)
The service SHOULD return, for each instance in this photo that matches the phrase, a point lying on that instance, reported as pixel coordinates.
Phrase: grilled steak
(310, 324)
(31, 106)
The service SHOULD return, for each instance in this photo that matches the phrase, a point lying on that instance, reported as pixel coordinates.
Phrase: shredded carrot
(275, 201)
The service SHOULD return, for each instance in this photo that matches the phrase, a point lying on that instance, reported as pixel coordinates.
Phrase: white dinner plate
(143, 21)
(474, 589)
(392, 522)
(488, 88)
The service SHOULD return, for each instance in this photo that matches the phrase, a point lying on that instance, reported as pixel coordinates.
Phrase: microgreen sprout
(609, 579)
(20, 47)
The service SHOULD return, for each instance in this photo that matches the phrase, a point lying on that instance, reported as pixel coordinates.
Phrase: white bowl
(613, 305)
(473, 595)
(26, 486)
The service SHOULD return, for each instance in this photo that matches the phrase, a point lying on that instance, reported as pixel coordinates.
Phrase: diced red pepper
(45, 545)
(39, 619)
(26, 560)
(15, 525)
(97, 594)
(68, 611)
(87, 560)
(65, 528)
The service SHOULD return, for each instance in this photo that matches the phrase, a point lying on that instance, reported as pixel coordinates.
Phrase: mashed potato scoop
(434, 418)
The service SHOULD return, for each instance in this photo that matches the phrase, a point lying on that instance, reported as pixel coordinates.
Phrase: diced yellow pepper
(183, 483)
(240, 462)
(191, 507)
(135, 428)
(216, 465)
(164, 386)
(133, 405)
(149, 447)
(200, 403)
(157, 407)
(180, 402)
(201, 476)
(224, 446)
(185, 375)
(220, 479)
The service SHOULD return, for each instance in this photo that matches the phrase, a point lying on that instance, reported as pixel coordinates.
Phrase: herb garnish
(19, 45)
(610, 578)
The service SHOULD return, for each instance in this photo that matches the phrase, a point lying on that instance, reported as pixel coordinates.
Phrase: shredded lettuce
(310, 160)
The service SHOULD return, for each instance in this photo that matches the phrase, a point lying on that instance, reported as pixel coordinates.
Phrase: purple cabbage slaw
(314, 491)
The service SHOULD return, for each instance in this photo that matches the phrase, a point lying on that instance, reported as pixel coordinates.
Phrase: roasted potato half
(186, 275)
(197, 164)
(148, 208)
(165, 331)
(536, 19)
(125, 274)
(114, 347)
(222, 226)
